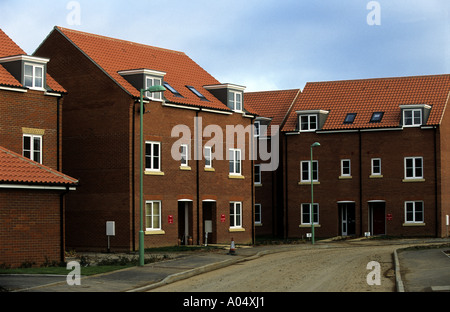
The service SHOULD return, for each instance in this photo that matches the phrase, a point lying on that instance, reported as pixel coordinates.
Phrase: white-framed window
(235, 214)
(152, 215)
(305, 172)
(235, 100)
(414, 212)
(257, 174)
(34, 76)
(208, 157)
(32, 147)
(306, 213)
(153, 156)
(258, 219)
(150, 82)
(257, 128)
(308, 123)
(346, 170)
(376, 166)
(184, 152)
(413, 167)
(235, 161)
(412, 117)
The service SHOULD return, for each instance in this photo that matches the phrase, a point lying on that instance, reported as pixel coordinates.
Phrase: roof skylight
(350, 118)
(376, 117)
(195, 91)
(171, 89)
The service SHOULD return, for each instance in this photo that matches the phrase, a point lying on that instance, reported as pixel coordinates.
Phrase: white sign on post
(110, 228)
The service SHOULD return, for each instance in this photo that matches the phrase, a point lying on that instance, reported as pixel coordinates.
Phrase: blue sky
(261, 44)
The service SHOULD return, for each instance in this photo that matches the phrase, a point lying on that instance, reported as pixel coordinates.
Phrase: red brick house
(194, 178)
(383, 164)
(273, 108)
(32, 188)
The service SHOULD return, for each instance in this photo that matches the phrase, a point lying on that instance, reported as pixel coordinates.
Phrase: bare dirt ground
(319, 269)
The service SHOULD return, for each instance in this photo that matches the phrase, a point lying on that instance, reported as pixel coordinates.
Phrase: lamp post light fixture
(141, 169)
(312, 192)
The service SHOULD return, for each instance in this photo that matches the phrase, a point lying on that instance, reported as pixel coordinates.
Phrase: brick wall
(361, 189)
(33, 110)
(29, 227)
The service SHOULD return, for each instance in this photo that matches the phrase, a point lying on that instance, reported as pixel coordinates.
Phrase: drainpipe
(360, 185)
(252, 138)
(133, 178)
(286, 209)
(58, 132)
(61, 224)
(436, 183)
(197, 177)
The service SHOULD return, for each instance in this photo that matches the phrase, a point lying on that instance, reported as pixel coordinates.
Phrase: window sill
(413, 180)
(414, 224)
(235, 176)
(209, 169)
(378, 176)
(155, 232)
(185, 168)
(236, 229)
(345, 177)
(258, 184)
(160, 173)
(309, 226)
(308, 183)
(258, 224)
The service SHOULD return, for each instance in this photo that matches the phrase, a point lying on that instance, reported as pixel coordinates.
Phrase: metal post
(312, 196)
(141, 173)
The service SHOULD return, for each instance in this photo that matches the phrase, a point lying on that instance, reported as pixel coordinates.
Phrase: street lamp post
(141, 169)
(312, 192)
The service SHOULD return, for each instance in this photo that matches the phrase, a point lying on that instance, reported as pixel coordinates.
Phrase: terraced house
(383, 164)
(198, 178)
(32, 187)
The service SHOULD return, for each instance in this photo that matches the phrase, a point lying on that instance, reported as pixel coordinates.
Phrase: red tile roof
(15, 168)
(115, 55)
(9, 48)
(366, 96)
(271, 104)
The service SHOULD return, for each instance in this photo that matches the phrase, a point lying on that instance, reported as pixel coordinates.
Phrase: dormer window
(29, 70)
(235, 100)
(144, 79)
(415, 115)
(150, 82)
(311, 120)
(34, 76)
(308, 123)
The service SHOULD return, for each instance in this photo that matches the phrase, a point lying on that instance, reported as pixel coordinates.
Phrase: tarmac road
(154, 275)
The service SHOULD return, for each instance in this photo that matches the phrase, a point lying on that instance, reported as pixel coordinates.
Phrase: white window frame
(235, 214)
(236, 98)
(184, 153)
(34, 76)
(258, 214)
(235, 161)
(152, 216)
(308, 170)
(346, 165)
(208, 157)
(155, 81)
(414, 168)
(414, 212)
(309, 122)
(32, 152)
(307, 215)
(413, 117)
(373, 166)
(257, 178)
(153, 157)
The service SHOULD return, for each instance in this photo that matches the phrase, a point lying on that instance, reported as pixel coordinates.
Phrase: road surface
(320, 268)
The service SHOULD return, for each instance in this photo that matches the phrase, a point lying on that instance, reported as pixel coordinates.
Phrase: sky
(261, 44)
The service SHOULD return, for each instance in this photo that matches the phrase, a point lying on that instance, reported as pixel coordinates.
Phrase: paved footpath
(137, 279)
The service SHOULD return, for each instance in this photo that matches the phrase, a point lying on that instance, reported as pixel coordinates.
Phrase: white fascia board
(28, 58)
(36, 187)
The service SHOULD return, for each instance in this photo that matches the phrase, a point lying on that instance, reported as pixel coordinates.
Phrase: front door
(347, 217)
(377, 218)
